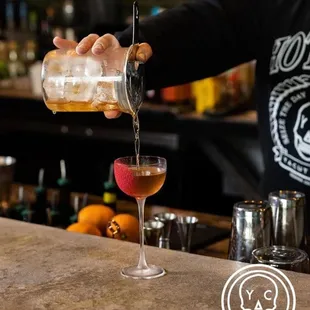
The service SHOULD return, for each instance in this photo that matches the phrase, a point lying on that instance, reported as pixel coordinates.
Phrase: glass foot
(151, 272)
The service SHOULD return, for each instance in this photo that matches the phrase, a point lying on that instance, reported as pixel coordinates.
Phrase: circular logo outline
(281, 154)
(258, 268)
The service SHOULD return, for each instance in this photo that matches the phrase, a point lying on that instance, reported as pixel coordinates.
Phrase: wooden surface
(219, 249)
(44, 268)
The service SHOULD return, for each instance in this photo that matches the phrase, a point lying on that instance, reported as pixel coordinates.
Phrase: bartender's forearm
(196, 40)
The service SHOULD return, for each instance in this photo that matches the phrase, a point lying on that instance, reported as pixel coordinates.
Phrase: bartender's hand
(98, 45)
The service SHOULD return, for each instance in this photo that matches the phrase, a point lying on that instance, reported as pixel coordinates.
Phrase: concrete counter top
(48, 268)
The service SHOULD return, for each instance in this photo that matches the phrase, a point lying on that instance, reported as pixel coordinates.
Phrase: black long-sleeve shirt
(206, 37)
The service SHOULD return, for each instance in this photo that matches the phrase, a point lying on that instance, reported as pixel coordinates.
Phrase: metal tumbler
(186, 227)
(167, 219)
(153, 230)
(251, 229)
(288, 209)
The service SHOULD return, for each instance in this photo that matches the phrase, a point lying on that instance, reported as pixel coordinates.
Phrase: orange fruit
(84, 228)
(97, 215)
(124, 227)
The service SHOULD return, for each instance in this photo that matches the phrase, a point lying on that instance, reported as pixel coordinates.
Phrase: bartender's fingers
(144, 52)
(104, 42)
(86, 44)
(63, 43)
(112, 114)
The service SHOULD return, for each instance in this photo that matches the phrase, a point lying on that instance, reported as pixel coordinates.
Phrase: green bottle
(17, 209)
(64, 202)
(110, 191)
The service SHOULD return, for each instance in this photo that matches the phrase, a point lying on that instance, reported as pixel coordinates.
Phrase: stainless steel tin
(251, 229)
(288, 212)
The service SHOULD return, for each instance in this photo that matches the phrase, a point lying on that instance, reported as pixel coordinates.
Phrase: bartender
(204, 38)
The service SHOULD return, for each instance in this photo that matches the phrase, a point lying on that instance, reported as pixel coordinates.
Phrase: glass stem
(142, 262)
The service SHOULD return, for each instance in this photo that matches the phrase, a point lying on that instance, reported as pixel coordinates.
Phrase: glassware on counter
(167, 218)
(141, 182)
(186, 227)
(251, 229)
(288, 209)
(152, 232)
(282, 257)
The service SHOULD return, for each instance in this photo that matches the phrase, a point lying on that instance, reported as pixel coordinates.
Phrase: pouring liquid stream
(136, 131)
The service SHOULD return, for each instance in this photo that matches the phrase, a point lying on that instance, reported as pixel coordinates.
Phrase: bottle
(33, 22)
(110, 191)
(53, 214)
(40, 205)
(23, 15)
(9, 15)
(45, 37)
(68, 12)
(5, 81)
(77, 206)
(18, 207)
(64, 203)
(15, 66)
(29, 54)
(178, 97)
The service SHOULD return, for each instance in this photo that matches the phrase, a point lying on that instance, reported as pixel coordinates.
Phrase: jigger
(167, 219)
(152, 232)
(186, 227)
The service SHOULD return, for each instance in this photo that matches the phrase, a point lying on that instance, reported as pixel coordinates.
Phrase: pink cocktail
(140, 183)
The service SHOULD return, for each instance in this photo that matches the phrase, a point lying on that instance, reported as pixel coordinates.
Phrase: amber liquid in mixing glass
(80, 106)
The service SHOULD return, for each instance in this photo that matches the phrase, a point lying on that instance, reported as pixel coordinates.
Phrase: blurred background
(207, 130)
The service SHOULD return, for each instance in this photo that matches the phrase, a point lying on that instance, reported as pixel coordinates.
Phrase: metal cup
(251, 229)
(7, 169)
(288, 209)
(152, 232)
(186, 227)
(167, 219)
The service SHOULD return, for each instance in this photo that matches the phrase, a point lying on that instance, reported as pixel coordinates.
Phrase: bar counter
(48, 268)
(218, 248)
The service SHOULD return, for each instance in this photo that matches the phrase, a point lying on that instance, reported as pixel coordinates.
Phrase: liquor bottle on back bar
(40, 205)
(110, 191)
(15, 211)
(78, 204)
(53, 214)
(64, 203)
(36, 212)
(178, 97)
(9, 15)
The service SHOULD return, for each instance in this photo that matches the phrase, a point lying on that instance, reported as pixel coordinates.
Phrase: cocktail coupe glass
(141, 181)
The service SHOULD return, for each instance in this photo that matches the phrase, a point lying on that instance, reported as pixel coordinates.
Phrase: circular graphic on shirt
(289, 109)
